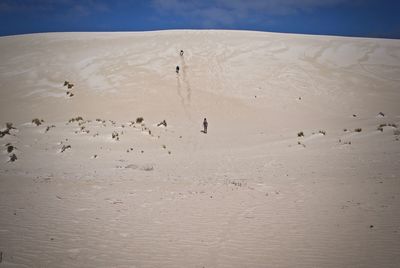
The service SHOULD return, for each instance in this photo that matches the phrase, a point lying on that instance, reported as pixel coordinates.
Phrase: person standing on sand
(205, 125)
(177, 69)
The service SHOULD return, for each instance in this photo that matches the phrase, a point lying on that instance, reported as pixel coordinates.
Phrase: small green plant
(10, 148)
(139, 120)
(65, 147)
(13, 158)
(37, 121)
(78, 118)
(115, 135)
(380, 127)
(49, 127)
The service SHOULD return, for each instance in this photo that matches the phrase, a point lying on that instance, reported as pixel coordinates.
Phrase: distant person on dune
(177, 69)
(181, 53)
(205, 125)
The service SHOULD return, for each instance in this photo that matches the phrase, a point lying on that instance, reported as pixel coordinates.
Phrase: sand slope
(105, 191)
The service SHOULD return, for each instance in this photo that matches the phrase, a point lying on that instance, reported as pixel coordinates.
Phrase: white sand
(250, 193)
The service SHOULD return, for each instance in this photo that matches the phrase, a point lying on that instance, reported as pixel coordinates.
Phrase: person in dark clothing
(181, 53)
(205, 125)
(177, 69)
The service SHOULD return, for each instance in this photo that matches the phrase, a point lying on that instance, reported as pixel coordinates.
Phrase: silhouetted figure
(177, 69)
(205, 125)
(181, 53)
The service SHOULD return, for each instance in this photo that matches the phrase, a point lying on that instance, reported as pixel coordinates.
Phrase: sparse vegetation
(115, 135)
(13, 158)
(302, 144)
(37, 121)
(78, 118)
(10, 148)
(164, 147)
(323, 132)
(49, 127)
(139, 120)
(236, 183)
(300, 134)
(358, 129)
(5, 132)
(380, 127)
(65, 147)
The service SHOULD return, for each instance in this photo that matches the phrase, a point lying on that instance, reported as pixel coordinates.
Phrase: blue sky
(367, 18)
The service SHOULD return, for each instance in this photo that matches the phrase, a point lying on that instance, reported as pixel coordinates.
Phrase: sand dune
(300, 166)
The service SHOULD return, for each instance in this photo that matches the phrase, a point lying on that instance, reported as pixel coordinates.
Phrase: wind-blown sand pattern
(91, 187)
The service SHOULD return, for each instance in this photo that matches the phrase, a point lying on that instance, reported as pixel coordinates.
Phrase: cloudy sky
(369, 18)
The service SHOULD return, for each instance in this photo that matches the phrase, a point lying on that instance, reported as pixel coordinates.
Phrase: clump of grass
(392, 125)
(48, 128)
(358, 129)
(9, 126)
(139, 120)
(5, 132)
(236, 183)
(78, 118)
(345, 130)
(10, 148)
(300, 134)
(164, 147)
(65, 147)
(13, 158)
(115, 135)
(380, 127)
(37, 121)
(302, 144)
(323, 132)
